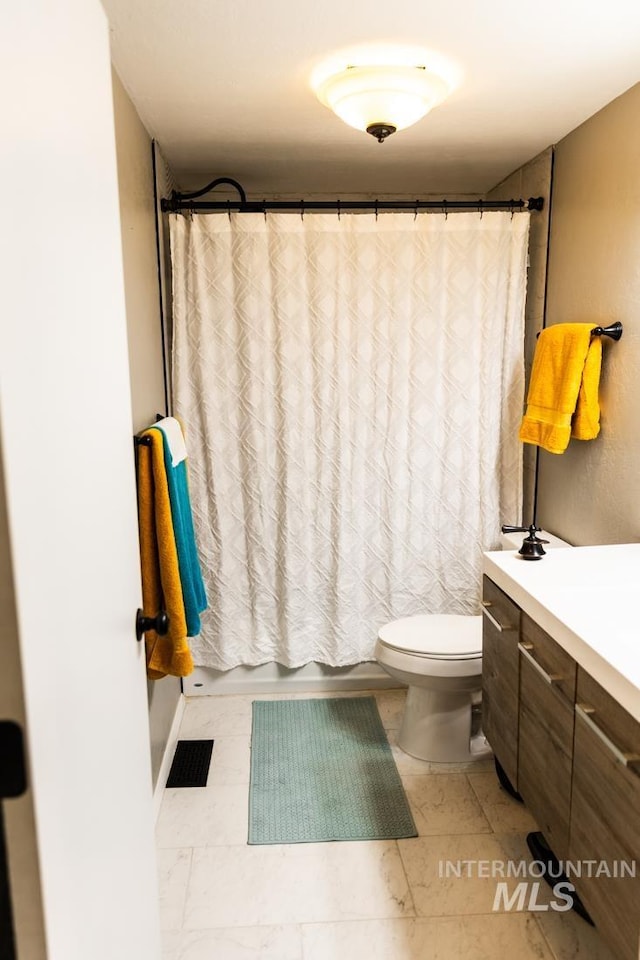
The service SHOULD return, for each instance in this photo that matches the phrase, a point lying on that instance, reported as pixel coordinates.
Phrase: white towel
(175, 439)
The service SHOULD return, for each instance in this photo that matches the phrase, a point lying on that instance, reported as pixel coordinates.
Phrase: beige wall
(531, 180)
(137, 214)
(590, 494)
(24, 870)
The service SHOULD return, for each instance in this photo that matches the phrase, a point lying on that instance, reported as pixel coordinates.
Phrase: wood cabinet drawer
(500, 632)
(554, 661)
(545, 752)
(611, 718)
(503, 610)
(605, 814)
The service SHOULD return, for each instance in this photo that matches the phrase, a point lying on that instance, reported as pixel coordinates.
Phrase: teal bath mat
(323, 770)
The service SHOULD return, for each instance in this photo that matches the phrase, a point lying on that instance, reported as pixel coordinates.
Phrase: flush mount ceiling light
(383, 89)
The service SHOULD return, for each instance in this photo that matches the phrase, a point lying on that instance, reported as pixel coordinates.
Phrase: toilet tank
(513, 541)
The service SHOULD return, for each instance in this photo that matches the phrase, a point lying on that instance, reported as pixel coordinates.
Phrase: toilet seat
(435, 636)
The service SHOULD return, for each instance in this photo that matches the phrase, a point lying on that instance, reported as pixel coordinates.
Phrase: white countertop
(588, 599)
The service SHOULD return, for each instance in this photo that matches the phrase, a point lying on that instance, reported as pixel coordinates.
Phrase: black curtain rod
(178, 205)
(178, 202)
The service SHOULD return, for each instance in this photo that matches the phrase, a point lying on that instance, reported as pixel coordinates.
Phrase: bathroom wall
(142, 295)
(137, 212)
(22, 851)
(590, 493)
(531, 180)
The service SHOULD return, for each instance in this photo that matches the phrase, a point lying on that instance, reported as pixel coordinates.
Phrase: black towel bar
(146, 441)
(614, 331)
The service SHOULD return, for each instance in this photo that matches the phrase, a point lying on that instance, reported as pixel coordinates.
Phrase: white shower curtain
(351, 388)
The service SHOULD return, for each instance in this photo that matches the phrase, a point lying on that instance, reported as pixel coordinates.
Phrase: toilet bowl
(439, 658)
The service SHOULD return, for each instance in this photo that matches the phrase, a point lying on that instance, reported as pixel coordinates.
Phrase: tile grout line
(186, 889)
(483, 811)
(553, 955)
(406, 877)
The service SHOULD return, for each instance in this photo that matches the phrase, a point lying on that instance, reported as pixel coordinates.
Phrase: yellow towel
(562, 401)
(161, 586)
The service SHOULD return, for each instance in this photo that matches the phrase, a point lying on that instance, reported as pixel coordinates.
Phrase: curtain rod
(179, 202)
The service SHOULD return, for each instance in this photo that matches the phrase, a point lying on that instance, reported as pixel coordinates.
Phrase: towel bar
(146, 441)
(614, 331)
(159, 623)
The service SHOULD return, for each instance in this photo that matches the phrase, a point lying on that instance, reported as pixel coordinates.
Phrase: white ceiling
(223, 86)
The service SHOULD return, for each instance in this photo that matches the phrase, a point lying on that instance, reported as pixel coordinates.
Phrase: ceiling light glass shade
(394, 96)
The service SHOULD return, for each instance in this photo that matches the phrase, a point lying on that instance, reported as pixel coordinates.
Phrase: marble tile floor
(221, 899)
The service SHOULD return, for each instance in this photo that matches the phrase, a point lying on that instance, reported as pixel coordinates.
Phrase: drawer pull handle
(550, 678)
(490, 617)
(583, 711)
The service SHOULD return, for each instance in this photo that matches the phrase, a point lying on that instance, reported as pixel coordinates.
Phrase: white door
(65, 424)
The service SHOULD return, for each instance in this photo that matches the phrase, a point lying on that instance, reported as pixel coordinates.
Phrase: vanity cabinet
(605, 812)
(500, 672)
(545, 732)
(573, 753)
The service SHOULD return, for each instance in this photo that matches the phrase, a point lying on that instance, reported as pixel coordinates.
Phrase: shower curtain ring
(446, 210)
(338, 208)
(229, 210)
(415, 212)
(264, 209)
(376, 209)
(302, 210)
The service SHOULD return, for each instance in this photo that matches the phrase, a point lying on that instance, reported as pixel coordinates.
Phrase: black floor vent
(190, 767)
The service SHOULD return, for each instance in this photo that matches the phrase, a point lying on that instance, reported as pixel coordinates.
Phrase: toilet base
(437, 726)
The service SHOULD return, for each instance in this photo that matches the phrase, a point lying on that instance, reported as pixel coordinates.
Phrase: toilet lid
(440, 636)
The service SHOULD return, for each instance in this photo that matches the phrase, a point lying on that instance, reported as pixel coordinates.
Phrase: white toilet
(439, 657)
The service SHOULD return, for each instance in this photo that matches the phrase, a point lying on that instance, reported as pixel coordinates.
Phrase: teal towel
(193, 592)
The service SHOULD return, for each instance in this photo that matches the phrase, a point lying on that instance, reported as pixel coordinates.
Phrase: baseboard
(167, 757)
(274, 678)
